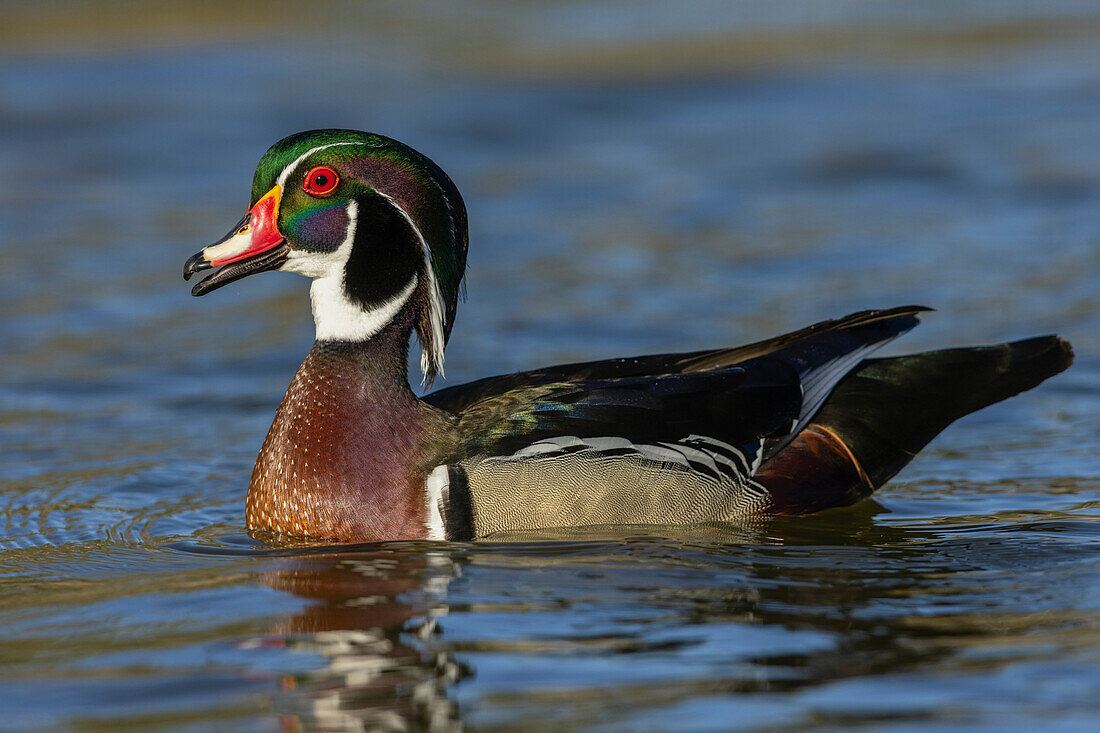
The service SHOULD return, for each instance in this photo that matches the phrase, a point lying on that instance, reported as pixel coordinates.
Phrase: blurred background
(640, 177)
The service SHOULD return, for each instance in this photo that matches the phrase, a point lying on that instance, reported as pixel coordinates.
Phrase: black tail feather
(886, 410)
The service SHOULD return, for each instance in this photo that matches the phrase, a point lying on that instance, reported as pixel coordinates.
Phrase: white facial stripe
(285, 174)
(435, 300)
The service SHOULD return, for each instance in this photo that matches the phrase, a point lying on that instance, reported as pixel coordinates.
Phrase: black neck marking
(385, 254)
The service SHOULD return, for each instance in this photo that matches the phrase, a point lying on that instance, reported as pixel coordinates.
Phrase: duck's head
(379, 227)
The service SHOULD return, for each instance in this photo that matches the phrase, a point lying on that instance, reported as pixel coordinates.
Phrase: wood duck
(794, 424)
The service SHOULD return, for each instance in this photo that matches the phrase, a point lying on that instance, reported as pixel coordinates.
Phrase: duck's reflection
(372, 614)
(371, 619)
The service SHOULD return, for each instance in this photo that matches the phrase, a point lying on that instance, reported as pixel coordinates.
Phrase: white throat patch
(336, 318)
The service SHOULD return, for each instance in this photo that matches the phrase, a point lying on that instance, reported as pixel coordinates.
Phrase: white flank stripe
(701, 441)
(608, 443)
(691, 453)
(435, 491)
(537, 449)
(664, 453)
(563, 441)
(285, 174)
(695, 449)
(435, 300)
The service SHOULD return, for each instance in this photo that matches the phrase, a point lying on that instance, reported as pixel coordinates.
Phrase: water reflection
(370, 617)
(617, 623)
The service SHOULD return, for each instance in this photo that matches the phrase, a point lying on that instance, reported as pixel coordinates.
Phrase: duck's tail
(885, 410)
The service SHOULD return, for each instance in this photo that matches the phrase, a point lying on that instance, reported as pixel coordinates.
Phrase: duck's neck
(345, 456)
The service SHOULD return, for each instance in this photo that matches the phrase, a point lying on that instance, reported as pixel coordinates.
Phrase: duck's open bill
(253, 245)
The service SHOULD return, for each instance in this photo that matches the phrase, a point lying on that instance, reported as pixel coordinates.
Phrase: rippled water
(638, 180)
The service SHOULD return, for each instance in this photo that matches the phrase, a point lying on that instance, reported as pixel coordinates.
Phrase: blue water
(638, 180)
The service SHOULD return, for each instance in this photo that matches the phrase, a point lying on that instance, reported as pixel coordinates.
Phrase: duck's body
(794, 424)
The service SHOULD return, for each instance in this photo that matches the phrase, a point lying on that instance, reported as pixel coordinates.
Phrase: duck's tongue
(253, 245)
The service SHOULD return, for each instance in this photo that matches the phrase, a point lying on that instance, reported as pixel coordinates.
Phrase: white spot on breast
(435, 494)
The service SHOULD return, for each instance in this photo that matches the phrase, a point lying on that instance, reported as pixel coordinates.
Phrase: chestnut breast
(346, 455)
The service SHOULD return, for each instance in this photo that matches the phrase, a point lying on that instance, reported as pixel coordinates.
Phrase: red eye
(320, 181)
